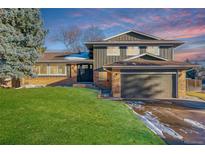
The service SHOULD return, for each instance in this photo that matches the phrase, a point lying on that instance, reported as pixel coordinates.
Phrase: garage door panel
(147, 86)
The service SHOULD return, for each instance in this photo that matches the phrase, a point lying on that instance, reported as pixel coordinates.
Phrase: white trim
(138, 56)
(134, 31)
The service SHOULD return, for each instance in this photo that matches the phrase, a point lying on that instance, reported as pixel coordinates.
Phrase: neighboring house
(131, 64)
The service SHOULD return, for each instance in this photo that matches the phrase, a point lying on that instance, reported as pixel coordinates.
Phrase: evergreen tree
(21, 40)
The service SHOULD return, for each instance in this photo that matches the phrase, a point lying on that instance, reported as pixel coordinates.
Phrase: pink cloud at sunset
(191, 55)
(179, 33)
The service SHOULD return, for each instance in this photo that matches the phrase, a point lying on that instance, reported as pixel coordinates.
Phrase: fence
(193, 85)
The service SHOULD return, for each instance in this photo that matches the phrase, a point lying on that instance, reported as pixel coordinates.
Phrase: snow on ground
(195, 123)
(159, 128)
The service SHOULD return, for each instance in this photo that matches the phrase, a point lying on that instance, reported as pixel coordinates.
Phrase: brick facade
(116, 83)
(181, 83)
(47, 80)
(106, 84)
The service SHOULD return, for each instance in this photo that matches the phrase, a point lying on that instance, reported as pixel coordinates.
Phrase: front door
(85, 73)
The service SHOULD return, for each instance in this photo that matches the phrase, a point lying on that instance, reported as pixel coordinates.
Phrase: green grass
(197, 94)
(67, 116)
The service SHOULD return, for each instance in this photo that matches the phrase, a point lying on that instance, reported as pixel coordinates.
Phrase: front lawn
(197, 94)
(67, 116)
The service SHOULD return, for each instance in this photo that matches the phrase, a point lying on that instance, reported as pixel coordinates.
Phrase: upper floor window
(113, 51)
(143, 49)
(133, 50)
(153, 50)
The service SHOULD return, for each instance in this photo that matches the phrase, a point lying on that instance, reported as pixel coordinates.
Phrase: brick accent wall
(181, 83)
(116, 83)
(106, 84)
(47, 81)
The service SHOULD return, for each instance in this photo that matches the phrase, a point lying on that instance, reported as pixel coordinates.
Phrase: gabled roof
(134, 31)
(145, 54)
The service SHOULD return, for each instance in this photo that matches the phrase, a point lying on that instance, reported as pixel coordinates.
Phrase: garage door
(148, 86)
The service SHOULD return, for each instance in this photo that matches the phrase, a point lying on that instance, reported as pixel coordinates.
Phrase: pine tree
(21, 38)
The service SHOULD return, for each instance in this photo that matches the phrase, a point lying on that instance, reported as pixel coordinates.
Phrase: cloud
(182, 33)
(190, 54)
(127, 20)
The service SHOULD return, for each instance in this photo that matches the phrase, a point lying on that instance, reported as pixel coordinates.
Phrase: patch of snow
(195, 123)
(78, 56)
(157, 127)
(184, 131)
(151, 126)
(136, 102)
(75, 58)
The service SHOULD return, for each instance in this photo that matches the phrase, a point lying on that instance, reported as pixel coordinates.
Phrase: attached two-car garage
(148, 85)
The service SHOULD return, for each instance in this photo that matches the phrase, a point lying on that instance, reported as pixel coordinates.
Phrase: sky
(187, 25)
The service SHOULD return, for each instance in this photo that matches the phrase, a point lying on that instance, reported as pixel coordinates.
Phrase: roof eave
(152, 67)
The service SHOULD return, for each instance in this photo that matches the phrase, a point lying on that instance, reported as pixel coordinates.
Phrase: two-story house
(131, 64)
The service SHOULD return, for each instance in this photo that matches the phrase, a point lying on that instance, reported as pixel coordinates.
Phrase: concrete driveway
(175, 121)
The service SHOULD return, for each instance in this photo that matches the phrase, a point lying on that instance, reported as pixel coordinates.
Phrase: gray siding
(166, 52)
(130, 37)
(100, 56)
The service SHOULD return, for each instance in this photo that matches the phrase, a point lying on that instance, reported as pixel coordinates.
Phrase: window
(51, 69)
(153, 50)
(57, 69)
(113, 51)
(36, 69)
(61, 69)
(43, 69)
(102, 76)
(143, 49)
(133, 50)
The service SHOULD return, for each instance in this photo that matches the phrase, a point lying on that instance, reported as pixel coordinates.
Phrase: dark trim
(150, 67)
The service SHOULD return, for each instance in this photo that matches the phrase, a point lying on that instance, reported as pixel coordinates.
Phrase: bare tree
(93, 33)
(71, 37)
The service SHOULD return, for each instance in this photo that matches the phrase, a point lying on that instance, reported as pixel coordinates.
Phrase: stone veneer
(116, 83)
(181, 83)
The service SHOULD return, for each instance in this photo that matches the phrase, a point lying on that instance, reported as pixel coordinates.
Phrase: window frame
(102, 78)
(48, 68)
(135, 48)
(117, 48)
(152, 46)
